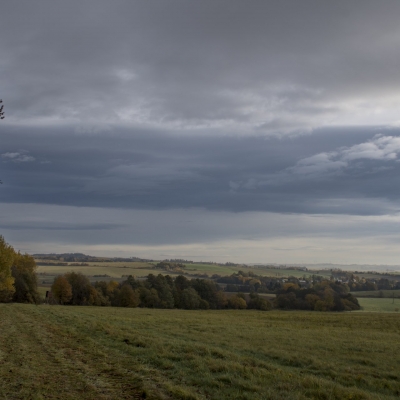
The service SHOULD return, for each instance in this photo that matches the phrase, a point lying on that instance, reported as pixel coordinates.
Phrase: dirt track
(42, 359)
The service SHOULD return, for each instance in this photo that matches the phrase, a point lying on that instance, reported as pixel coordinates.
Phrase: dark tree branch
(1, 111)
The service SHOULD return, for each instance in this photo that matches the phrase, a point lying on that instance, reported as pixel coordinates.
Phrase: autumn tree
(25, 279)
(190, 299)
(237, 302)
(127, 297)
(210, 292)
(161, 284)
(80, 285)
(62, 290)
(106, 292)
(7, 256)
(181, 282)
(259, 303)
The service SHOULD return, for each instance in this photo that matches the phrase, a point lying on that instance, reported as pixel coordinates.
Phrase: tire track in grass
(39, 360)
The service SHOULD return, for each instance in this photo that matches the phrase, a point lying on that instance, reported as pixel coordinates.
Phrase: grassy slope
(58, 352)
(379, 305)
(377, 293)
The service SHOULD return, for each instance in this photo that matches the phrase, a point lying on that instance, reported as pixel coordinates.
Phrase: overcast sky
(259, 131)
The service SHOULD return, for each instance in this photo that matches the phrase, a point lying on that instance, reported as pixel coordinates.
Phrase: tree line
(323, 296)
(161, 291)
(374, 284)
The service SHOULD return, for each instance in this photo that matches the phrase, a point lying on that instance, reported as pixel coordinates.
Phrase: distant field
(380, 305)
(378, 293)
(116, 271)
(114, 268)
(290, 272)
(42, 291)
(211, 269)
(262, 271)
(54, 352)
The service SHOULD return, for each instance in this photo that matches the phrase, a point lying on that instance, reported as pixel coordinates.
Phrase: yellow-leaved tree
(7, 256)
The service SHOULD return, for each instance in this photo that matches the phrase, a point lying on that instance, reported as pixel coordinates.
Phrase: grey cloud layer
(261, 66)
(336, 171)
(202, 235)
(374, 156)
(176, 227)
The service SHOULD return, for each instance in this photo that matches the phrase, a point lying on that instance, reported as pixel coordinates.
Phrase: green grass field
(379, 305)
(281, 273)
(211, 269)
(55, 352)
(117, 269)
(378, 293)
(262, 271)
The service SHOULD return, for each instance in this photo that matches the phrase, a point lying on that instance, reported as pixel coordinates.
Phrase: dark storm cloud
(277, 67)
(52, 226)
(332, 171)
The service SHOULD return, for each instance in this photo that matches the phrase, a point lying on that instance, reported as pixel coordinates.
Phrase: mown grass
(56, 352)
(379, 305)
(378, 293)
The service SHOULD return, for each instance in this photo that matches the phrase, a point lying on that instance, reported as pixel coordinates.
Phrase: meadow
(118, 270)
(379, 305)
(211, 269)
(55, 352)
(377, 293)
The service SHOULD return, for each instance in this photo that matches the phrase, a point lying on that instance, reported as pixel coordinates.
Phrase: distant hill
(80, 257)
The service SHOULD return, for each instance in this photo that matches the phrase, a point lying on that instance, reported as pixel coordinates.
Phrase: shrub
(258, 303)
(236, 302)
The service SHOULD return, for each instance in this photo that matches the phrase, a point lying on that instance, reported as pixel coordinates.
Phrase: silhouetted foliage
(25, 279)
